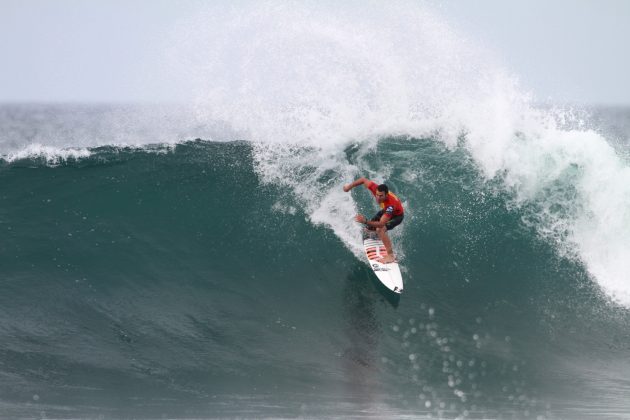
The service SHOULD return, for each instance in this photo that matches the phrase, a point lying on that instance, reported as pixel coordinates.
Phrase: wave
(324, 81)
(123, 252)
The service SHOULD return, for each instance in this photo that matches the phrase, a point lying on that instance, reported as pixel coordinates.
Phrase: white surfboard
(388, 274)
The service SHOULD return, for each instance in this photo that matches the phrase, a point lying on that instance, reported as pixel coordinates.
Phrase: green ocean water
(173, 281)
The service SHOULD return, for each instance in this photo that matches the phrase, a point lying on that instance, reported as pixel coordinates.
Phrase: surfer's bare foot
(387, 259)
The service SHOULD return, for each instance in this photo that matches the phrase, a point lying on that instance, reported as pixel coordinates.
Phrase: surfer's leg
(382, 234)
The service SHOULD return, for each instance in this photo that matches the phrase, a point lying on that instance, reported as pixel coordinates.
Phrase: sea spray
(317, 79)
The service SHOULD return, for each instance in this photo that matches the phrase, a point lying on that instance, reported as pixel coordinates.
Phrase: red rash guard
(392, 205)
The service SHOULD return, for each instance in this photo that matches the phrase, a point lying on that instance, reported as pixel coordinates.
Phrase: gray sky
(103, 51)
(571, 50)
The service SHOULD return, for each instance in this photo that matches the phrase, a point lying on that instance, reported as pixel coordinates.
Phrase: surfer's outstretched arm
(360, 181)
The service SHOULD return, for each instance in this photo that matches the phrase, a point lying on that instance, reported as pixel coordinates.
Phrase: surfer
(390, 215)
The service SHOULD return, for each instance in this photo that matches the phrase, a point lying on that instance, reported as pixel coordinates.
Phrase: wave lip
(52, 155)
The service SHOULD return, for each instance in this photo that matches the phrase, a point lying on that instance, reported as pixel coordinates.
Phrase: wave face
(147, 274)
(172, 281)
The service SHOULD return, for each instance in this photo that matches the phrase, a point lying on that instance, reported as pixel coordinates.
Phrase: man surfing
(390, 215)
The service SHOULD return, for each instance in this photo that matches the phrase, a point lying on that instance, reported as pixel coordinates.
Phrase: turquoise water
(172, 281)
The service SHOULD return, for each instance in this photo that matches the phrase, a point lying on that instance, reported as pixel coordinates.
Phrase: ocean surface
(200, 260)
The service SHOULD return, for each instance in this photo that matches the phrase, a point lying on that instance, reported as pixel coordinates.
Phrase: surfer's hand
(346, 188)
(360, 218)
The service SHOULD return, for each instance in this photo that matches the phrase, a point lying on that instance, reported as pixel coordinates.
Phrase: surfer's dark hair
(383, 188)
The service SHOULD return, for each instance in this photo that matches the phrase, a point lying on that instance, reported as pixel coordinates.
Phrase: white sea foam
(52, 155)
(313, 77)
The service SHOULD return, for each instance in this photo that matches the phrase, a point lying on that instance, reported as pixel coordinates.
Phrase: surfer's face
(380, 196)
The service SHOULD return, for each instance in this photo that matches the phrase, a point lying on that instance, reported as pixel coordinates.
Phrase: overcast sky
(570, 50)
(66, 50)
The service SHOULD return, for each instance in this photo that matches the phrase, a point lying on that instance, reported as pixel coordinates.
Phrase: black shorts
(393, 222)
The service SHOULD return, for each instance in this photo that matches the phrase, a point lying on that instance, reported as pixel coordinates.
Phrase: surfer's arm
(356, 183)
